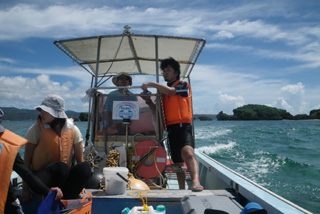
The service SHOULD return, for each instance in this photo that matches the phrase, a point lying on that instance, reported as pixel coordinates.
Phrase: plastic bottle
(126, 211)
(161, 209)
(141, 210)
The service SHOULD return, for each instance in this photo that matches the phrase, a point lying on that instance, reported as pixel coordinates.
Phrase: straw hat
(115, 78)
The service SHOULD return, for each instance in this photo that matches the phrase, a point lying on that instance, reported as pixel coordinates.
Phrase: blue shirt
(109, 102)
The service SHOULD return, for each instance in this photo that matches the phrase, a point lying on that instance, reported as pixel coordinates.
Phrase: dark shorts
(179, 135)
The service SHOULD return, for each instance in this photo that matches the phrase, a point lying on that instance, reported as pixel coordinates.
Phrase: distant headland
(263, 112)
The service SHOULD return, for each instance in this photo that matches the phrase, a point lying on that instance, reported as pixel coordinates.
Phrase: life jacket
(177, 108)
(53, 147)
(10, 143)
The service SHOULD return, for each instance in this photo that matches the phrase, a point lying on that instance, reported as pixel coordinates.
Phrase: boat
(141, 139)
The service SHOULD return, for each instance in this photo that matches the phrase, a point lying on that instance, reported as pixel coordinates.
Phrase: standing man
(178, 115)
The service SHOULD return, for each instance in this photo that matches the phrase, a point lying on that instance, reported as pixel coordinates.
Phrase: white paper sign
(125, 109)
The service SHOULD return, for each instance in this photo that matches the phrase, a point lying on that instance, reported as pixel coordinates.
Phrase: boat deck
(158, 194)
(175, 201)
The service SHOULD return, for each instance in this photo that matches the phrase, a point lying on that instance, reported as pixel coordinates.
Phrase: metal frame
(95, 83)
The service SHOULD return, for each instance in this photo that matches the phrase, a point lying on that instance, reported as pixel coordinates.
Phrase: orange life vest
(10, 143)
(177, 108)
(52, 147)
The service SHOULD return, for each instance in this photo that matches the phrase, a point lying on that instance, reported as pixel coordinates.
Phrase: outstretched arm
(160, 87)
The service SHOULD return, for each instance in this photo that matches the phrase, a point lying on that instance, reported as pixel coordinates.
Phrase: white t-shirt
(34, 133)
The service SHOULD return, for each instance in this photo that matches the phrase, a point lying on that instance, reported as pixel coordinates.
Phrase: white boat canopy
(135, 54)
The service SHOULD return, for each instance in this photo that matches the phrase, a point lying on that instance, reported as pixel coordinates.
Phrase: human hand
(146, 98)
(26, 195)
(83, 191)
(144, 86)
(59, 194)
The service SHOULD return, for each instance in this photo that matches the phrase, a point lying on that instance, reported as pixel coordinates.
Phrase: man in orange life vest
(10, 143)
(178, 113)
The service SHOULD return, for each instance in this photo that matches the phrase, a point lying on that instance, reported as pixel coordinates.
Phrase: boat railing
(246, 187)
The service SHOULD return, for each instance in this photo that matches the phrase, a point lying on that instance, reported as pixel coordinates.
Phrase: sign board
(125, 109)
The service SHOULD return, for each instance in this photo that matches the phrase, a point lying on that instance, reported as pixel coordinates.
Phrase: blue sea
(283, 156)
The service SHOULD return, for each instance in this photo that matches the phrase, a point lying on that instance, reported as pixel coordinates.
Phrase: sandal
(197, 188)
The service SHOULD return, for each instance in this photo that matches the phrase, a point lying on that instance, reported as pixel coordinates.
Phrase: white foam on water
(217, 147)
(260, 167)
(209, 134)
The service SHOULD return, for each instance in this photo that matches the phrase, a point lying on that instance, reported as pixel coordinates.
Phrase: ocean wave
(209, 134)
(217, 147)
(261, 165)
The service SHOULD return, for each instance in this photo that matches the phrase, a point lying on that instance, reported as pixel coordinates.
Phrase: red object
(156, 161)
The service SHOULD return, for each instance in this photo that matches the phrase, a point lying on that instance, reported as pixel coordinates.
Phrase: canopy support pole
(94, 102)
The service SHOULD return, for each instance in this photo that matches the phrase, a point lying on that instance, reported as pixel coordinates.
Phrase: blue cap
(250, 207)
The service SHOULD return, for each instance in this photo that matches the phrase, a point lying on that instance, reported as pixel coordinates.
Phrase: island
(263, 112)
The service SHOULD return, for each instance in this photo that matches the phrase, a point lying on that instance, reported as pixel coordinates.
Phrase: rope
(163, 114)
(142, 194)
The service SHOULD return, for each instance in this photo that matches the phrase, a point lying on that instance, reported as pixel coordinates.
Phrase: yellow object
(146, 208)
(135, 184)
(113, 158)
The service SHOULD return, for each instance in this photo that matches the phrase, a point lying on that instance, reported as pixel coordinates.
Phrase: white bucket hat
(115, 78)
(54, 105)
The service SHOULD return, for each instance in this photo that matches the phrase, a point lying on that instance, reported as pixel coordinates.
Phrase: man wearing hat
(10, 143)
(122, 80)
(52, 140)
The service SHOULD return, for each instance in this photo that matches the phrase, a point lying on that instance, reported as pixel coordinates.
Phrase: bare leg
(188, 156)
(181, 177)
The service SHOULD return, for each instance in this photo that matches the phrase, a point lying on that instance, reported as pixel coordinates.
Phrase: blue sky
(257, 52)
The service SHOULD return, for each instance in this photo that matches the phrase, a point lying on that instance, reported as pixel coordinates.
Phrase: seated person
(122, 79)
(10, 143)
(52, 139)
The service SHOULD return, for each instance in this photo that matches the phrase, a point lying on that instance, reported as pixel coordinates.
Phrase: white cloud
(223, 34)
(281, 103)
(7, 60)
(23, 92)
(217, 89)
(293, 99)
(228, 102)
(225, 98)
(309, 54)
(30, 20)
(297, 89)
(245, 29)
(71, 72)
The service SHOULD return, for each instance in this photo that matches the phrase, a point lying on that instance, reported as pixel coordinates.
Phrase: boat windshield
(121, 114)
